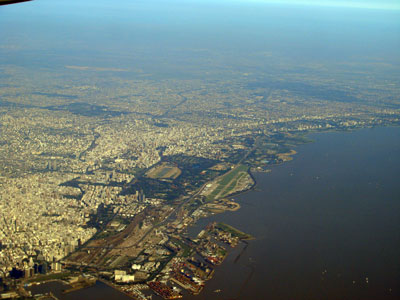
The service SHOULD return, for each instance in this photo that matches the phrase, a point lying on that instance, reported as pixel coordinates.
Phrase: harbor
(285, 210)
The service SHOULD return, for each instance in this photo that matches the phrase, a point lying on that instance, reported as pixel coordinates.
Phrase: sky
(368, 4)
(171, 29)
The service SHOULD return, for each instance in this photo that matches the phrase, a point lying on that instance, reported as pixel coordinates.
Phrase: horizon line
(330, 3)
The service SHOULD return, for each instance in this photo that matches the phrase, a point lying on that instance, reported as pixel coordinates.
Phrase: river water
(326, 225)
(99, 291)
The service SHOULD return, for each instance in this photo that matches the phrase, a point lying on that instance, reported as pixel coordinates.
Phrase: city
(90, 187)
(120, 136)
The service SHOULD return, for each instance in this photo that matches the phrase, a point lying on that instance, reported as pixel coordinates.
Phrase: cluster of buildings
(37, 221)
(57, 168)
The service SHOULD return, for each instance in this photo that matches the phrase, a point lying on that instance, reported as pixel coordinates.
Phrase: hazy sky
(76, 32)
(371, 4)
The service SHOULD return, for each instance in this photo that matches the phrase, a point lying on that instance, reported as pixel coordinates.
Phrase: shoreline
(241, 220)
(109, 284)
(252, 174)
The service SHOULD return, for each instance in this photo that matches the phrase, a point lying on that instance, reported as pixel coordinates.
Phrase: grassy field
(228, 182)
(164, 171)
(235, 232)
(186, 249)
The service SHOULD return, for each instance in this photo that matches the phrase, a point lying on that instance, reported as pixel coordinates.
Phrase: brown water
(99, 291)
(323, 223)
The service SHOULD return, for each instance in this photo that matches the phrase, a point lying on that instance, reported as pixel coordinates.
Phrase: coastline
(253, 175)
(309, 141)
(283, 234)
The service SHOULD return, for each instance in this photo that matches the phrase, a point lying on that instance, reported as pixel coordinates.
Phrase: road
(166, 220)
(169, 218)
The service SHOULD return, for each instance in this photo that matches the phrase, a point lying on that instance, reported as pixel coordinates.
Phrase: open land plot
(220, 167)
(235, 232)
(98, 251)
(164, 171)
(221, 205)
(287, 156)
(229, 183)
